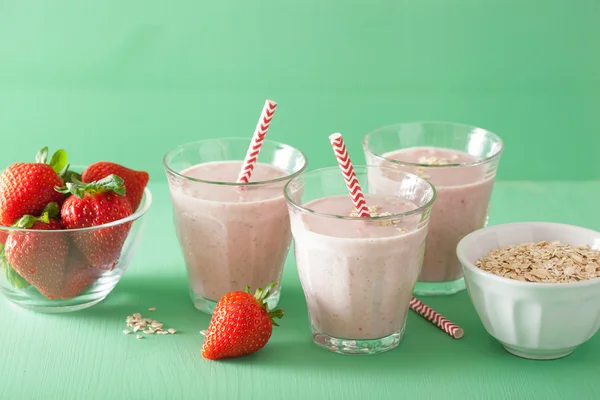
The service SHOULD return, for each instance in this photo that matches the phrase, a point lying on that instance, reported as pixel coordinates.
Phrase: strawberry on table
(241, 324)
(93, 204)
(38, 257)
(26, 188)
(134, 181)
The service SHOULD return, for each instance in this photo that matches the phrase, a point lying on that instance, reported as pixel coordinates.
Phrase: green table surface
(85, 355)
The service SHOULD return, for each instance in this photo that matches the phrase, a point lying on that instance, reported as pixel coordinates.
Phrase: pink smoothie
(357, 276)
(231, 237)
(463, 197)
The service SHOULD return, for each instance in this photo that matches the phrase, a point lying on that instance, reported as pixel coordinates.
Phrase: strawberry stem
(27, 221)
(276, 313)
(58, 162)
(70, 175)
(261, 296)
(111, 183)
(42, 156)
(51, 210)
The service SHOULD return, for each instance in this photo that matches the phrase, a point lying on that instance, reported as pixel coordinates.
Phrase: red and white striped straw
(343, 159)
(257, 140)
(436, 318)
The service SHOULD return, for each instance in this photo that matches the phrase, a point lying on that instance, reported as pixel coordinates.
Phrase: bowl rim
(466, 264)
(141, 210)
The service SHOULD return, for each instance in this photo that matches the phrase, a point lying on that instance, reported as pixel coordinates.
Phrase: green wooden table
(125, 80)
(85, 355)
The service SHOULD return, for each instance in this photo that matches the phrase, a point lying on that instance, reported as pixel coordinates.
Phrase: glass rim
(417, 210)
(142, 209)
(481, 161)
(222, 183)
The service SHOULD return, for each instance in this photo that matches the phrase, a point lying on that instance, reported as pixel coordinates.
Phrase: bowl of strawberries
(68, 234)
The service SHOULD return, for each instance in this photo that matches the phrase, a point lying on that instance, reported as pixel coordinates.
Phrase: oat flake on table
(549, 262)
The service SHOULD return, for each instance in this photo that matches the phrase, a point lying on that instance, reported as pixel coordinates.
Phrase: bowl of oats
(534, 285)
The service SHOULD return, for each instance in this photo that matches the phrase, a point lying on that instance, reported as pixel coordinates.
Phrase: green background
(127, 80)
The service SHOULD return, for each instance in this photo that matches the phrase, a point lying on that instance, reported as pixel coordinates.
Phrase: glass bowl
(75, 284)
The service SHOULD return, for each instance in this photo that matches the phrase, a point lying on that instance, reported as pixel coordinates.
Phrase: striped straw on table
(436, 318)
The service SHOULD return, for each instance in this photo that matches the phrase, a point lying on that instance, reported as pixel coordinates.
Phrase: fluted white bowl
(531, 320)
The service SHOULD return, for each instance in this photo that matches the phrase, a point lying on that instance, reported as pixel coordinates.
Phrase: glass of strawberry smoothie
(461, 162)
(231, 234)
(358, 274)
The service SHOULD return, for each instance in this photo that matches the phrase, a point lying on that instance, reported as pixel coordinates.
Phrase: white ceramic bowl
(531, 320)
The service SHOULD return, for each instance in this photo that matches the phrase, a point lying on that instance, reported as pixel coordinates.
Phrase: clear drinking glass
(231, 234)
(461, 162)
(357, 273)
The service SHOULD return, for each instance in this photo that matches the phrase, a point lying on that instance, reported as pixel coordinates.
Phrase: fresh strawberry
(134, 181)
(3, 236)
(26, 188)
(94, 204)
(79, 275)
(39, 257)
(241, 324)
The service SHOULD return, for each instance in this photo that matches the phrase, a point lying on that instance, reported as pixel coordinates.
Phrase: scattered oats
(420, 171)
(148, 326)
(172, 331)
(145, 325)
(425, 176)
(139, 337)
(548, 262)
(127, 331)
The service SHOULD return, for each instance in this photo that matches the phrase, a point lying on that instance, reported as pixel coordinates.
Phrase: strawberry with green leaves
(241, 324)
(38, 257)
(93, 204)
(26, 188)
(134, 181)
